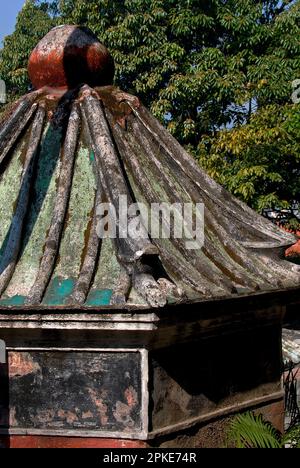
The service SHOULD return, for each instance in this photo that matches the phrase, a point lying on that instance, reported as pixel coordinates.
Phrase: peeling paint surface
(79, 216)
(58, 291)
(93, 391)
(98, 298)
(22, 365)
(39, 216)
(9, 190)
(67, 56)
(93, 145)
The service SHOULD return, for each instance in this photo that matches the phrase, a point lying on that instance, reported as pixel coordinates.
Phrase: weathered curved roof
(291, 346)
(61, 156)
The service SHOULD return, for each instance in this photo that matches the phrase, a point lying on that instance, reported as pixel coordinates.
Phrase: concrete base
(169, 378)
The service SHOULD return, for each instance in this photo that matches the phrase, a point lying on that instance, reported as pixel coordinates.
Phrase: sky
(9, 11)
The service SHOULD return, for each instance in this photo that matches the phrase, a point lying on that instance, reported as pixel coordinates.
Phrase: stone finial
(69, 56)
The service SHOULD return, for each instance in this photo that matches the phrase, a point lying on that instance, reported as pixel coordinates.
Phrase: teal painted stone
(13, 301)
(58, 291)
(99, 298)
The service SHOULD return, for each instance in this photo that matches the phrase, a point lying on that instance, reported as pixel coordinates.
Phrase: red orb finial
(69, 56)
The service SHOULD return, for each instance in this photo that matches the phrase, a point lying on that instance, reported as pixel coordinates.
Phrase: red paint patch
(41, 442)
(131, 397)
(294, 251)
(69, 56)
(21, 364)
(101, 407)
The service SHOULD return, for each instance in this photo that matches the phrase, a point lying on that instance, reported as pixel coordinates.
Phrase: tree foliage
(217, 73)
(33, 22)
(259, 162)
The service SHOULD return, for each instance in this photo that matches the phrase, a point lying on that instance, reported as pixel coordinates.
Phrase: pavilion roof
(62, 154)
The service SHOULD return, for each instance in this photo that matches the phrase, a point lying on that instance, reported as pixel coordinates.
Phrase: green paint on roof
(58, 291)
(39, 215)
(80, 212)
(9, 192)
(13, 301)
(99, 298)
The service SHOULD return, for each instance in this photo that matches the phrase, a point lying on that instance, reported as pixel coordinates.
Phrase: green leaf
(251, 431)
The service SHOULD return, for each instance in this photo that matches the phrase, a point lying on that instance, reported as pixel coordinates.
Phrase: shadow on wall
(223, 370)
